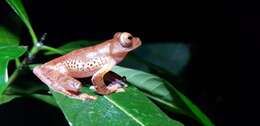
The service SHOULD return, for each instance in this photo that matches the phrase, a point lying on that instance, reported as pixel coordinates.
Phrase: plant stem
(44, 47)
(33, 35)
(33, 51)
(17, 63)
(14, 75)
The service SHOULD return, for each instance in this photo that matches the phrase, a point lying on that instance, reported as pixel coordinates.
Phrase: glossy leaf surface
(7, 53)
(130, 108)
(163, 92)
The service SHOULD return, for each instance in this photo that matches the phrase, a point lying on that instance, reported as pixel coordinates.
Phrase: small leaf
(7, 98)
(7, 38)
(18, 8)
(163, 92)
(3, 74)
(70, 46)
(130, 108)
(7, 53)
(12, 52)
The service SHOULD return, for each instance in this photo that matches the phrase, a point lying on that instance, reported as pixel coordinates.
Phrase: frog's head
(127, 41)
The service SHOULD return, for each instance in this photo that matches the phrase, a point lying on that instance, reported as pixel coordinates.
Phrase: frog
(62, 73)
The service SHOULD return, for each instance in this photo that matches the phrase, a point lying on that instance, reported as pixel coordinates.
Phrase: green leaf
(3, 74)
(7, 53)
(201, 117)
(7, 38)
(12, 52)
(7, 98)
(18, 8)
(130, 108)
(70, 46)
(154, 87)
(171, 56)
(163, 92)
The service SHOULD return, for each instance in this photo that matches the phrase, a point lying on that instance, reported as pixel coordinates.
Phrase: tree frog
(60, 74)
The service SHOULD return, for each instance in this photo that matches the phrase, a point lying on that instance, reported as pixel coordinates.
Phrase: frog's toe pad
(119, 83)
(86, 97)
(116, 87)
(92, 88)
(120, 90)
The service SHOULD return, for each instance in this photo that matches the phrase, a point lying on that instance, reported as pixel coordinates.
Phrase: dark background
(213, 29)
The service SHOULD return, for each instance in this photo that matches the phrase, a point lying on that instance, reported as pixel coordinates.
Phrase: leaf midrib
(125, 111)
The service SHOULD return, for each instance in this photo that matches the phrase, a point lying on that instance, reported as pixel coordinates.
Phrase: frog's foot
(83, 97)
(61, 83)
(114, 78)
(117, 85)
(114, 86)
(115, 81)
(70, 87)
(79, 96)
(111, 87)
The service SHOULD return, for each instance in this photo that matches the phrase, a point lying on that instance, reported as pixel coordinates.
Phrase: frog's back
(82, 62)
(75, 54)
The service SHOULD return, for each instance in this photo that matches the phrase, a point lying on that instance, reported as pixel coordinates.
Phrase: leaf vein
(122, 109)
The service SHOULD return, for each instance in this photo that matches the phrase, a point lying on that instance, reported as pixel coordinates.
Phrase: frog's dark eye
(126, 39)
(130, 37)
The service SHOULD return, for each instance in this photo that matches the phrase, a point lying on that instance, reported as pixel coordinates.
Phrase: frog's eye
(126, 39)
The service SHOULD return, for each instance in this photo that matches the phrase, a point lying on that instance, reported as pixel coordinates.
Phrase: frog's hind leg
(61, 82)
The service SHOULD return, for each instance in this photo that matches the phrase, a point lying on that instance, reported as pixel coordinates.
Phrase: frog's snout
(137, 42)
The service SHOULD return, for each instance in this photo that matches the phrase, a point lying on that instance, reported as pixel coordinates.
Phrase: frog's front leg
(61, 82)
(98, 80)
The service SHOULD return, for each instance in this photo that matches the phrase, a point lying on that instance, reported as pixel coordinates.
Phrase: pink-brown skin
(60, 73)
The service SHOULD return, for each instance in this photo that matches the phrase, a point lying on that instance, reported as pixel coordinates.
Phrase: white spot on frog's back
(74, 64)
(91, 55)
